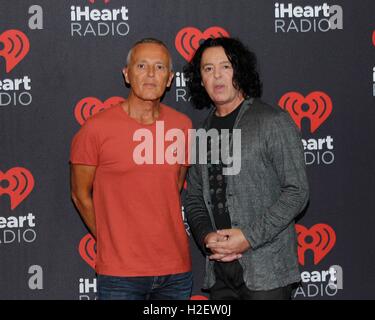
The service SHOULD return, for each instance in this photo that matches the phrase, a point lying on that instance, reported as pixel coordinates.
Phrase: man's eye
(227, 66)
(141, 66)
(160, 67)
(207, 69)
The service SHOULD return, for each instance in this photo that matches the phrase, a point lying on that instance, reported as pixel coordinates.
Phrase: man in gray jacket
(243, 220)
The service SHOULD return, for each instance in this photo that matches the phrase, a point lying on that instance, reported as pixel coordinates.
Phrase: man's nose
(151, 71)
(217, 73)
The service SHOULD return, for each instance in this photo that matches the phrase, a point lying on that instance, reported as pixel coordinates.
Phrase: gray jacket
(263, 199)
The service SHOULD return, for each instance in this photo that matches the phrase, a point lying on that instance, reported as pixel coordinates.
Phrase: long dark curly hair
(245, 74)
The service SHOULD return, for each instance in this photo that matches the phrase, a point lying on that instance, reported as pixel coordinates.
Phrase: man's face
(148, 72)
(217, 77)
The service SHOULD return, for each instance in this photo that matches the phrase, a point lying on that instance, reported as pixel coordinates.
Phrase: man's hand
(213, 237)
(227, 245)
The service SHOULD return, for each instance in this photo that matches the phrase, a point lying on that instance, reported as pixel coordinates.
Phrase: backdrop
(61, 62)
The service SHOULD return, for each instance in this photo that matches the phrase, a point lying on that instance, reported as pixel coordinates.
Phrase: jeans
(168, 287)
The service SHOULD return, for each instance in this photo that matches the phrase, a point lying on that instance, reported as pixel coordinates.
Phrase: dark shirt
(230, 273)
(217, 180)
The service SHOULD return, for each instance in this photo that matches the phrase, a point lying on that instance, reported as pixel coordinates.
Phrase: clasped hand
(226, 245)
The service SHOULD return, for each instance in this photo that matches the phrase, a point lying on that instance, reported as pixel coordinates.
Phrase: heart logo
(16, 46)
(89, 106)
(188, 39)
(322, 239)
(19, 184)
(87, 250)
(319, 107)
(198, 297)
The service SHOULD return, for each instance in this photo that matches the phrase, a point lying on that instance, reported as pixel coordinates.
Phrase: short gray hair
(149, 40)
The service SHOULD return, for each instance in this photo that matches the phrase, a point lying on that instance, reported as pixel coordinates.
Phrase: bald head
(149, 41)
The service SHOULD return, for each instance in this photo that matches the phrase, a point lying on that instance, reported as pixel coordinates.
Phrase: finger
(222, 238)
(218, 246)
(216, 256)
(225, 231)
(225, 257)
(231, 257)
(218, 238)
(222, 251)
(212, 240)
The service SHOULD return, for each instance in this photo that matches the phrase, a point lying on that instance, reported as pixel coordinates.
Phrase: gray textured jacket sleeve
(195, 208)
(285, 153)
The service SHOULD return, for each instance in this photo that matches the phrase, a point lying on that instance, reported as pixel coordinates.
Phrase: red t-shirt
(140, 229)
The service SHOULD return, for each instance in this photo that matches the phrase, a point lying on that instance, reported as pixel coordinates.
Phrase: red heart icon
(87, 250)
(89, 106)
(322, 240)
(187, 39)
(319, 107)
(198, 297)
(16, 46)
(20, 184)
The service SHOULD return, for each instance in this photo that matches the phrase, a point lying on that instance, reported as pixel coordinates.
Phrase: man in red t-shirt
(128, 165)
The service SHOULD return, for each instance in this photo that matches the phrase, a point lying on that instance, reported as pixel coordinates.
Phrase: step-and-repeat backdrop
(61, 62)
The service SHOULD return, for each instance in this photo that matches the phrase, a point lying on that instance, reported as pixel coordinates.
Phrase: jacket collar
(244, 108)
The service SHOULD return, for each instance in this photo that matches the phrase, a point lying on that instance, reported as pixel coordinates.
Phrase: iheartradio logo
(89, 106)
(319, 107)
(188, 39)
(16, 45)
(320, 239)
(87, 250)
(19, 183)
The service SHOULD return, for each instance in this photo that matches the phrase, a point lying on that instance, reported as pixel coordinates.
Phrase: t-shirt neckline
(126, 116)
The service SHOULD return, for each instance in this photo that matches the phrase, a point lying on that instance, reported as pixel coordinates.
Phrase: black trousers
(230, 285)
(220, 291)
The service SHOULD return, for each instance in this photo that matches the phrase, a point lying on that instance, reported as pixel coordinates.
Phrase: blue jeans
(169, 287)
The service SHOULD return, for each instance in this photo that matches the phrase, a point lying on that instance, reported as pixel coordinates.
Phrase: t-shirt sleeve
(85, 146)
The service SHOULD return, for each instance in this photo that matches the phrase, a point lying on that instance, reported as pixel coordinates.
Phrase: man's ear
(125, 73)
(171, 75)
